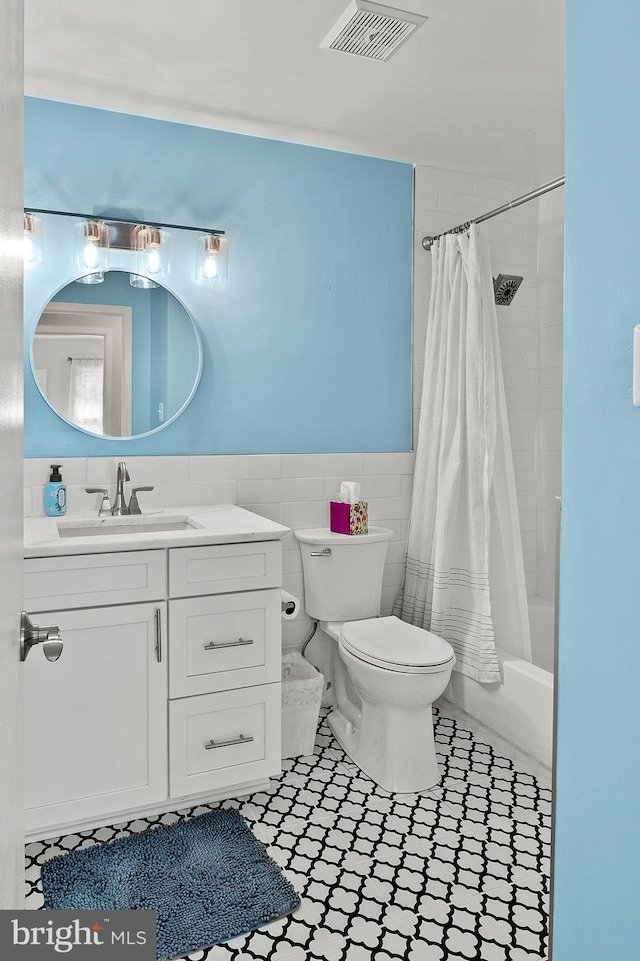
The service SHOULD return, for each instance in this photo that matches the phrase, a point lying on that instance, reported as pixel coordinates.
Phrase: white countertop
(212, 524)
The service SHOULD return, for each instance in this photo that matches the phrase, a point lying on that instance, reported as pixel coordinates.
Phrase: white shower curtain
(446, 583)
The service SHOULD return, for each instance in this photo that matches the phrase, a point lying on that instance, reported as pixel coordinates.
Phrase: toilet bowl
(386, 674)
(397, 671)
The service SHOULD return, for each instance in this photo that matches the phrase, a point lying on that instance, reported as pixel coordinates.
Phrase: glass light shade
(137, 280)
(211, 258)
(97, 277)
(152, 252)
(91, 249)
(33, 241)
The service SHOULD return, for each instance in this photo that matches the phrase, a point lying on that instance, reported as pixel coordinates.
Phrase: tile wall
(292, 489)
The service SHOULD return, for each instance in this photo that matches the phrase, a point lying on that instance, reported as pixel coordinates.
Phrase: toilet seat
(392, 644)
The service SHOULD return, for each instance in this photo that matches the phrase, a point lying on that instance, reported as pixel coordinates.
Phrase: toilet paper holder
(289, 605)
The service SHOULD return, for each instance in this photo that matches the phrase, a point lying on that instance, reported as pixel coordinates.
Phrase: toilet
(385, 673)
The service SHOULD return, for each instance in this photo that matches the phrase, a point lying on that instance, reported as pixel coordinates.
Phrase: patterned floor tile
(457, 873)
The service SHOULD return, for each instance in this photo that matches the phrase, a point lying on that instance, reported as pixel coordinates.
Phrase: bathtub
(542, 622)
(520, 709)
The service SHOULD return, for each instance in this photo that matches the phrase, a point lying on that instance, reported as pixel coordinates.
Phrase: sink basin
(136, 524)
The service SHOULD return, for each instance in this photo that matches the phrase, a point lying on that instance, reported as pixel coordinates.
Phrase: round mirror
(118, 356)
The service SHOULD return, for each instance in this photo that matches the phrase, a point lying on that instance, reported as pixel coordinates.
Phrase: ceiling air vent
(372, 30)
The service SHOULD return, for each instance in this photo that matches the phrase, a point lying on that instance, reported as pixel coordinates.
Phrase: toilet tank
(343, 572)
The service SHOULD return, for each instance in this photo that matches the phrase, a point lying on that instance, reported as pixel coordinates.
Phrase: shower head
(505, 287)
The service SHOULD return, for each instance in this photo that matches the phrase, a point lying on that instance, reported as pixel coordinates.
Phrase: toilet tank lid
(396, 642)
(322, 535)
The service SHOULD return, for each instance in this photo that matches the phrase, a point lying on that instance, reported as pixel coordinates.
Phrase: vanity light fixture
(33, 243)
(211, 258)
(149, 241)
(91, 250)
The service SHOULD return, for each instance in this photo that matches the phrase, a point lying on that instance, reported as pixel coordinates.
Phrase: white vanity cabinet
(95, 719)
(168, 687)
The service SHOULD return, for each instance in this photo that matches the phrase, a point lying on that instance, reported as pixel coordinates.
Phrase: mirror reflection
(116, 359)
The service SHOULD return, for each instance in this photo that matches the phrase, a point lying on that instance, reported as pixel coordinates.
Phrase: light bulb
(210, 267)
(153, 262)
(90, 255)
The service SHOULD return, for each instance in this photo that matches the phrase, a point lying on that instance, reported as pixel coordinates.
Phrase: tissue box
(348, 518)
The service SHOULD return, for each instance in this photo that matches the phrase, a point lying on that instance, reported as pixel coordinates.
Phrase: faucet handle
(105, 506)
(134, 504)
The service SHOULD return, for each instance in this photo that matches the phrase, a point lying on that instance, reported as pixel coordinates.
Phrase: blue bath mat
(209, 880)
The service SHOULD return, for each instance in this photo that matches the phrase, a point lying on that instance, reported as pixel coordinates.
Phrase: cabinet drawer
(222, 739)
(224, 641)
(222, 568)
(91, 580)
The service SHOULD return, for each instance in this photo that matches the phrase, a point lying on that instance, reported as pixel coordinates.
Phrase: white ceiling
(479, 87)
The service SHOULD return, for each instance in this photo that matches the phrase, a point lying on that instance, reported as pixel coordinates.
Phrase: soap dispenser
(55, 494)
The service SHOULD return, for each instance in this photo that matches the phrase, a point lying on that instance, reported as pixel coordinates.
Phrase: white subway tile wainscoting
(291, 489)
(458, 873)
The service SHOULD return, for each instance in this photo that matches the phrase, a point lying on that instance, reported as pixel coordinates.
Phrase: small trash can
(302, 687)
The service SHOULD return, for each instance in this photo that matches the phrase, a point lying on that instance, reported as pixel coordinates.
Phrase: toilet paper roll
(290, 606)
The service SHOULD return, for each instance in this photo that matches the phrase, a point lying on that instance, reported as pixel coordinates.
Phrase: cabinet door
(95, 720)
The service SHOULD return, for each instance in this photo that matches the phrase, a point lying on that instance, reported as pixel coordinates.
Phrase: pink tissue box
(348, 518)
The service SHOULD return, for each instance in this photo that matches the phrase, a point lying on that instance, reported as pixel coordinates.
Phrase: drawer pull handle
(215, 646)
(241, 739)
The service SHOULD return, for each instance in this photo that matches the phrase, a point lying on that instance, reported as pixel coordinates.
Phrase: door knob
(31, 635)
(52, 647)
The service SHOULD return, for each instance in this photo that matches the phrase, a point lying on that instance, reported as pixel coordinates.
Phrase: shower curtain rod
(545, 188)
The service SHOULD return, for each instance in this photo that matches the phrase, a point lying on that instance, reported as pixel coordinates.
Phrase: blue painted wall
(597, 894)
(307, 347)
(181, 358)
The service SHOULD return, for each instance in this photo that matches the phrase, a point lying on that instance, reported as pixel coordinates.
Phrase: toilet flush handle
(325, 552)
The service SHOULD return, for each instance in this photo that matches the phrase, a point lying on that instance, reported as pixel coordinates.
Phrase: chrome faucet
(119, 505)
